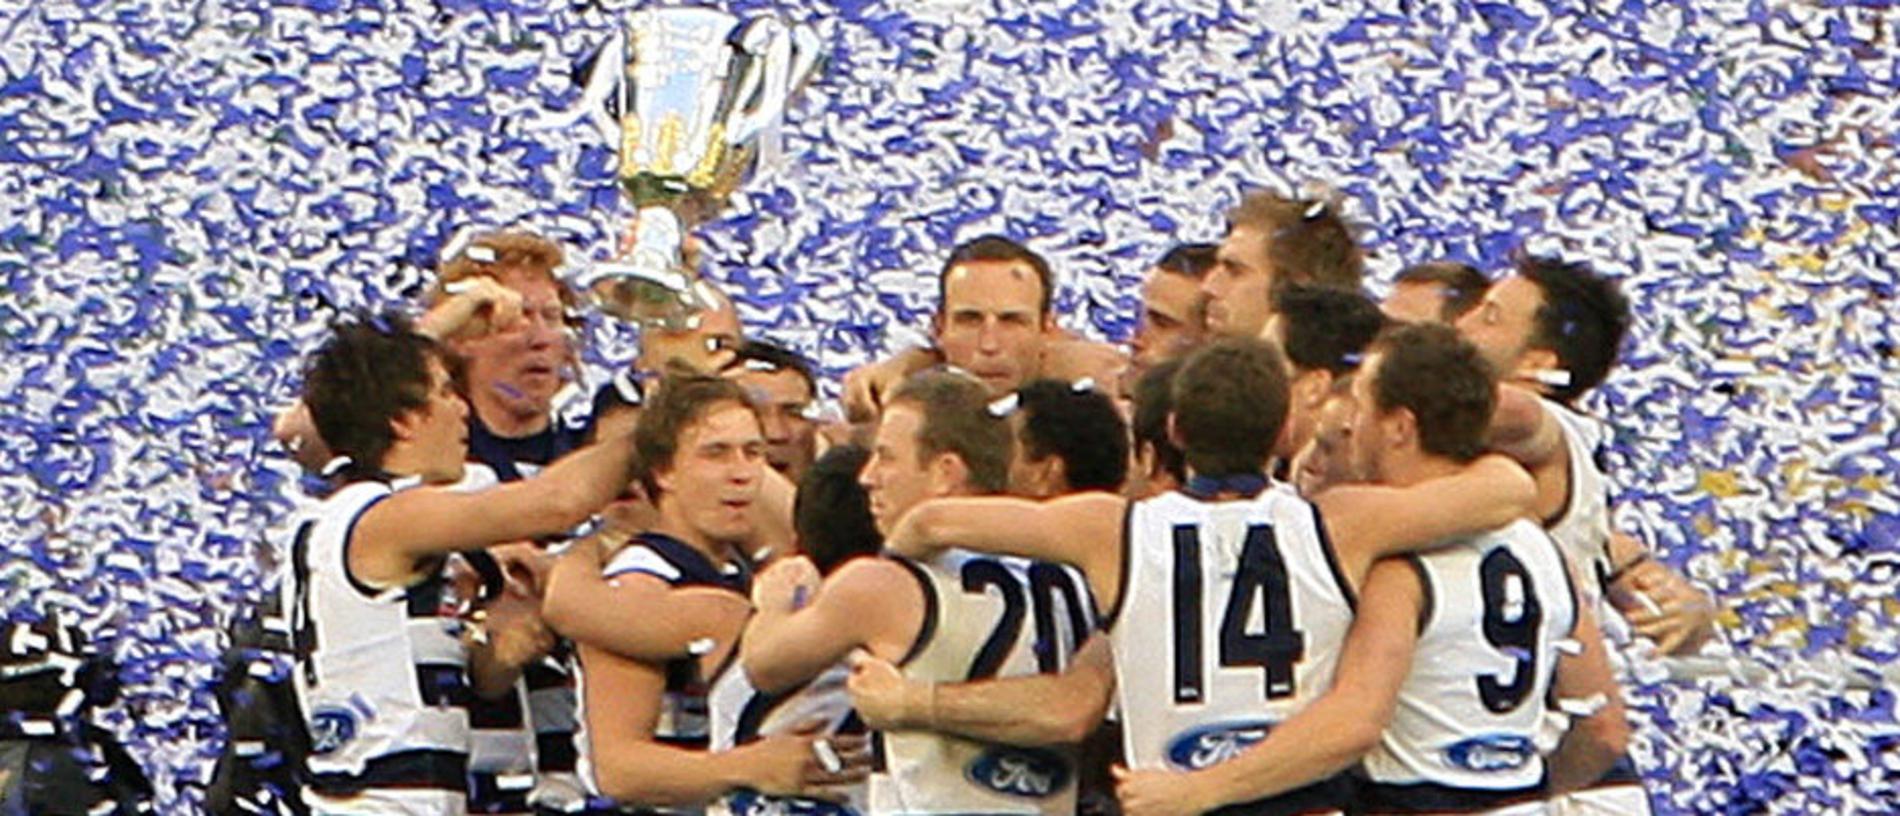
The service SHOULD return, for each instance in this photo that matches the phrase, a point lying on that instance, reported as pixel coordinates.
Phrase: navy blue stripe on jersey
(1332, 560)
(555, 751)
(694, 568)
(1428, 597)
(427, 769)
(1328, 795)
(503, 712)
(1121, 579)
(443, 685)
(504, 455)
(1427, 797)
(349, 537)
(543, 674)
(929, 628)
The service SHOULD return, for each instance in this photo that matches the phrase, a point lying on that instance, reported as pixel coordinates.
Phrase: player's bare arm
(1039, 709)
(1584, 686)
(802, 627)
(1369, 522)
(1082, 530)
(395, 536)
(634, 615)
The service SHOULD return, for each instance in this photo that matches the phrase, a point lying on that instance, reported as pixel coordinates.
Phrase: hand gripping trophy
(701, 94)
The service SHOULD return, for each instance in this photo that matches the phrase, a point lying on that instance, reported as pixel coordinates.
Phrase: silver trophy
(701, 96)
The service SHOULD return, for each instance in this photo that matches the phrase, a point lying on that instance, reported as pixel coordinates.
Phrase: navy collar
(1248, 485)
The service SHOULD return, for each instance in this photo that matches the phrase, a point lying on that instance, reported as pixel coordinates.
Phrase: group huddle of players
(1294, 552)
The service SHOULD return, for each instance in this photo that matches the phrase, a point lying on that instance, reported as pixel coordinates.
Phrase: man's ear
(663, 478)
(403, 426)
(1401, 426)
(1174, 434)
(949, 476)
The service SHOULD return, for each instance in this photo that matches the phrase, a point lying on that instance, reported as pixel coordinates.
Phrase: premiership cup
(701, 94)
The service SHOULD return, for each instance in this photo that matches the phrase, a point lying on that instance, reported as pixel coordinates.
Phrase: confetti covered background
(192, 189)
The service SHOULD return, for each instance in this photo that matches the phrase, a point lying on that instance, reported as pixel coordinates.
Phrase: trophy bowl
(700, 97)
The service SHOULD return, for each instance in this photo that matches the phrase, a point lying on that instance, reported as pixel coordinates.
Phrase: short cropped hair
(1189, 260)
(1326, 328)
(957, 419)
(1082, 427)
(1583, 319)
(1462, 283)
(372, 370)
(1307, 239)
(1154, 401)
(997, 248)
(1430, 370)
(777, 358)
(1230, 402)
(832, 512)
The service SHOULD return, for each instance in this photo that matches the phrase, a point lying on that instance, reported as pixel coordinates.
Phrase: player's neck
(1417, 466)
(506, 422)
(672, 526)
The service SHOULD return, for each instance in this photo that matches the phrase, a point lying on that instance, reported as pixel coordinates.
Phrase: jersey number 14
(1259, 583)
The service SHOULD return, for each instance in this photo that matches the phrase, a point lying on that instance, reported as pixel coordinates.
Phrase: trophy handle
(767, 85)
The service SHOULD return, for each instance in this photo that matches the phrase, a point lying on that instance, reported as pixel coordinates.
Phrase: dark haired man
(1069, 439)
(1324, 333)
(1553, 330)
(782, 387)
(1273, 240)
(951, 618)
(1435, 292)
(644, 720)
(1155, 465)
(1455, 732)
(382, 676)
(1186, 572)
(1173, 317)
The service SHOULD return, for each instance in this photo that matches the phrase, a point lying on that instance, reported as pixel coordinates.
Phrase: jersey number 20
(1260, 581)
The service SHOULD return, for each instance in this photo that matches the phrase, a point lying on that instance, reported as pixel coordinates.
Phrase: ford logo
(752, 803)
(1215, 743)
(1026, 772)
(1491, 753)
(331, 727)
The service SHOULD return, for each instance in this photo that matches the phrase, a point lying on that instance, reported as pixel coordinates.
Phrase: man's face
(782, 396)
(1240, 284)
(1368, 444)
(714, 478)
(708, 347)
(1172, 319)
(1327, 458)
(520, 368)
(439, 429)
(991, 323)
(893, 478)
(1502, 323)
(1419, 302)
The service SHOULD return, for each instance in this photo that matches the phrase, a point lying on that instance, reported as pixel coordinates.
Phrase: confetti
(198, 189)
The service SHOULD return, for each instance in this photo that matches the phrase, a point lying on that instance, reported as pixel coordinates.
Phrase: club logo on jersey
(1025, 772)
(1214, 744)
(751, 803)
(331, 727)
(1492, 753)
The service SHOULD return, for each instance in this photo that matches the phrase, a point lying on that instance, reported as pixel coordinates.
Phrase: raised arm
(1039, 709)
(1597, 738)
(412, 525)
(1324, 738)
(1083, 530)
(1369, 522)
(869, 603)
